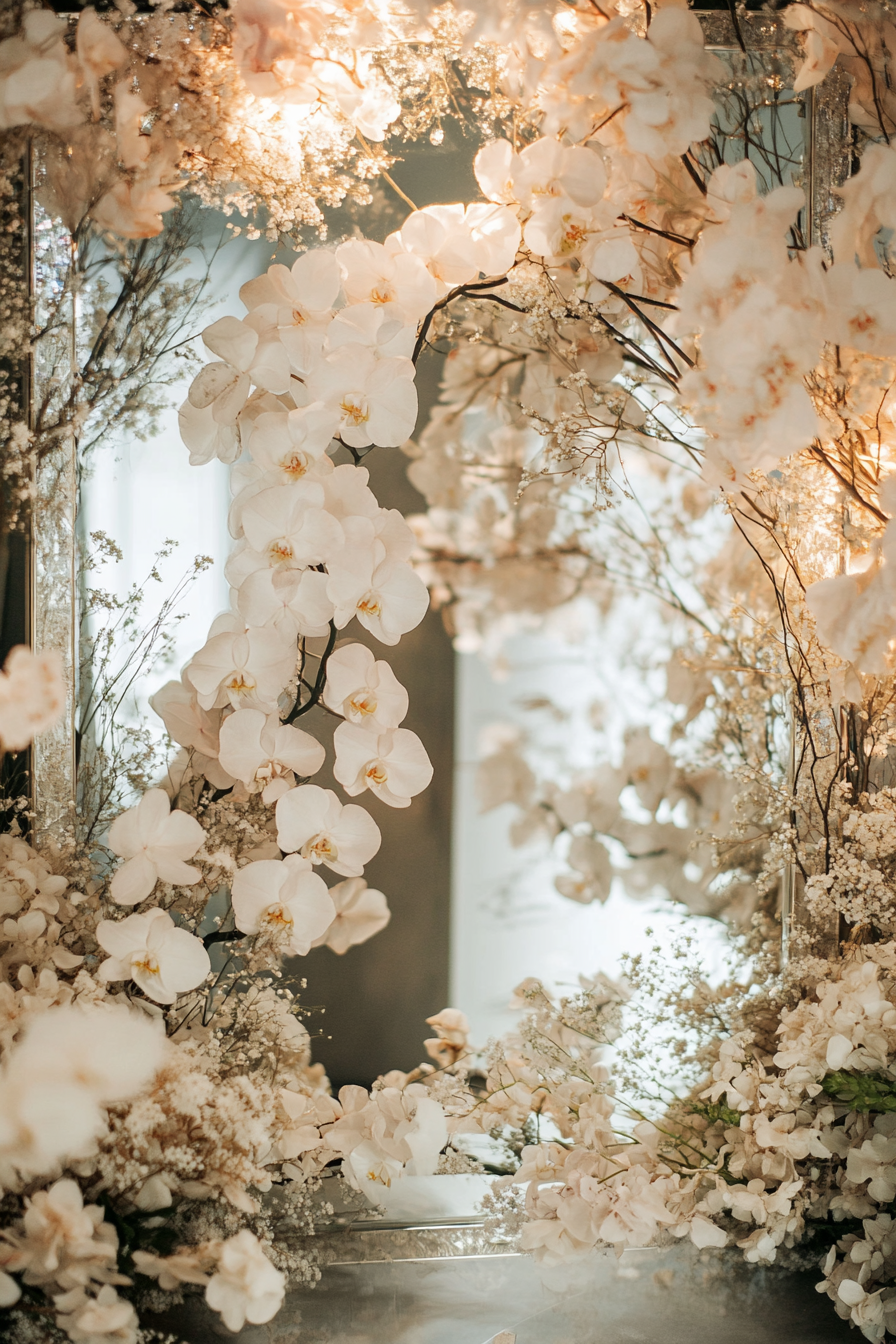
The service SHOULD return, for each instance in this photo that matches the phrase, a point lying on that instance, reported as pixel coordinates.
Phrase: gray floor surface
(652, 1297)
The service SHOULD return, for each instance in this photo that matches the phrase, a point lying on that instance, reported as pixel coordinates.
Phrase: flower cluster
(639, 319)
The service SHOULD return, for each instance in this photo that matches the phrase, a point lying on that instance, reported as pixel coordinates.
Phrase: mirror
(403, 651)
(536, 708)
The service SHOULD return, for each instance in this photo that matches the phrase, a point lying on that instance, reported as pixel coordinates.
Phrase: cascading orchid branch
(629, 292)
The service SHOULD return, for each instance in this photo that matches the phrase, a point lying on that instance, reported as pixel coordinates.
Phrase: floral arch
(671, 329)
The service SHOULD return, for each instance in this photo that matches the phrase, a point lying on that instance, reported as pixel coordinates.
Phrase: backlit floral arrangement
(660, 380)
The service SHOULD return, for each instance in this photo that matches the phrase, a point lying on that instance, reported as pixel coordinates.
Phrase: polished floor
(650, 1297)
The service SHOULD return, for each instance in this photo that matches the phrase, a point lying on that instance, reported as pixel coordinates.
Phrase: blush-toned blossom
(869, 204)
(361, 911)
(99, 50)
(245, 1285)
(457, 243)
(266, 754)
(32, 695)
(37, 75)
(60, 1241)
(312, 822)
(162, 959)
(102, 1319)
(67, 1064)
(130, 117)
(184, 1266)
(283, 900)
(134, 209)
(393, 765)
(820, 44)
(275, 43)
(155, 844)
(364, 689)
(452, 1028)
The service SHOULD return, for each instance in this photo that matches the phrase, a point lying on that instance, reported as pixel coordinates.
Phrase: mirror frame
(54, 590)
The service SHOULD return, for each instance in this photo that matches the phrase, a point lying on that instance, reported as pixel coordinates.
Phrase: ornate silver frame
(54, 567)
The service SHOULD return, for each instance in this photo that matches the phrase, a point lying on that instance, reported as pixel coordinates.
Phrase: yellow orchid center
(320, 849)
(295, 465)
(354, 408)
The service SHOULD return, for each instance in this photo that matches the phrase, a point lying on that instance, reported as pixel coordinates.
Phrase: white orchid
(266, 754)
(457, 243)
(205, 436)
(191, 726)
(373, 273)
(373, 107)
(363, 689)
(388, 598)
(376, 399)
(156, 843)
(382, 327)
(312, 822)
(393, 765)
(244, 359)
(361, 912)
(293, 601)
(298, 302)
(290, 529)
(284, 900)
(162, 959)
(349, 497)
(293, 444)
(245, 1286)
(242, 666)
(546, 169)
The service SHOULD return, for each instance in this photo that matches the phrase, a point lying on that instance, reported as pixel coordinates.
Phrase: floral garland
(625, 292)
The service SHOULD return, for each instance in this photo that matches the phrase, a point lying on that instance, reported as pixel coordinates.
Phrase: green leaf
(861, 1091)
(715, 1112)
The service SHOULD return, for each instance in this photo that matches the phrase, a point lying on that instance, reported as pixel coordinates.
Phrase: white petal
(233, 341)
(134, 881)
